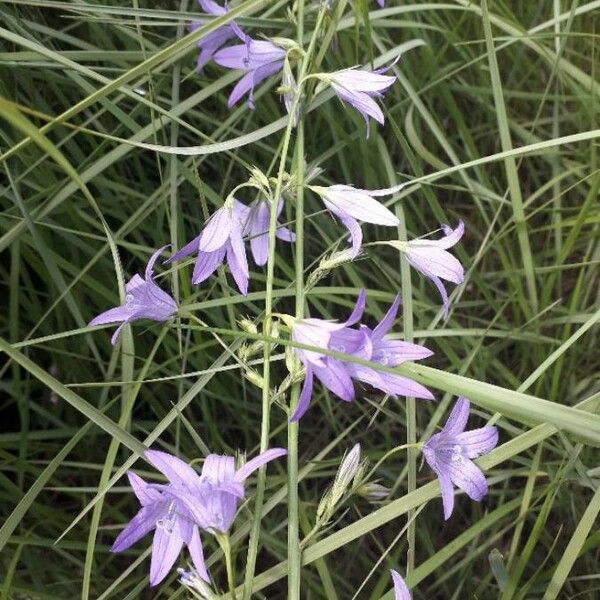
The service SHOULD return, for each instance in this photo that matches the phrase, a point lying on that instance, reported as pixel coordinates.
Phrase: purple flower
(430, 257)
(401, 591)
(144, 300)
(173, 525)
(364, 343)
(358, 88)
(351, 205)
(258, 58)
(190, 501)
(210, 43)
(256, 227)
(450, 451)
(222, 238)
(382, 4)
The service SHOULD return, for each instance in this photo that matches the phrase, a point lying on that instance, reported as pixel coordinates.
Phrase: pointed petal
(166, 547)
(143, 522)
(358, 80)
(401, 591)
(250, 80)
(388, 320)
(117, 333)
(216, 233)
(435, 262)
(143, 492)
(258, 461)
(336, 379)
(362, 102)
(197, 554)
(219, 468)
(150, 266)
(112, 315)
(237, 261)
(458, 417)
(359, 309)
(395, 385)
(285, 234)
(206, 264)
(187, 250)
(467, 476)
(358, 204)
(177, 471)
(305, 396)
(447, 492)
(476, 442)
(259, 242)
(392, 353)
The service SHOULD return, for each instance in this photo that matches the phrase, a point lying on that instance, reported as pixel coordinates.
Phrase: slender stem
(294, 551)
(223, 539)
(264, 427)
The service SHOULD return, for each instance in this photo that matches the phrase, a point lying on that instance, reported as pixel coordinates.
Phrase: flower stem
(264, 429)
(223, 539)
(294, 550)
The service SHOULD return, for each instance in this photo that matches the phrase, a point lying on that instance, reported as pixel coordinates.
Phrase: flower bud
(345, 475)
(195, 584)
(374, 492)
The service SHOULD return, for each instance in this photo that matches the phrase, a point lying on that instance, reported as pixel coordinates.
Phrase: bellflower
(256, 227)
(190, 501)
(401, 591)
(431, 258)
(358, 88)
(350, 205)
(221, 239)
(144, 300)
(172, 524)
(450, 452)
(258, 58)
(364, 343)
(214, 40)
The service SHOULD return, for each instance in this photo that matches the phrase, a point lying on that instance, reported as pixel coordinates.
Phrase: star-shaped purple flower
(450, 452)
(190, 501)
(431, 258)
(210, 43)
(350, 205)
(364, 343)
(401, 591)
(258, 58)
(358, 88)
(222, 238)
(144, 300)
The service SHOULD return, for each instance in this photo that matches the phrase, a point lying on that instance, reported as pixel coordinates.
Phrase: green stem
(264, 427)
(223, 539)
(294, 551)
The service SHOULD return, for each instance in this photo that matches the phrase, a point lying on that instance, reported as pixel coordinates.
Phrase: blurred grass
(99, 78)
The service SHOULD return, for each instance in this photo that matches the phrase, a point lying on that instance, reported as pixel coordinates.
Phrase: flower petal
(447, 492)
(458, 417)
(166, 547)
(467, 476)
(206, 264)
(359, 309)
(197, 554)
(336, 379)
(190, 248)
(388, 320)
(401, 591)
(143, 492)
(392, 353)
(112, 315)
(476, 442)
(358, 204)
(216, 233)
(305, 396)
(258, 461)
(177, 471)
(259, 242)
(150, 266)
(143, 522)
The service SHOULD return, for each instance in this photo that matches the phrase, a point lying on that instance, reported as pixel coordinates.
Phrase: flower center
(382, 357)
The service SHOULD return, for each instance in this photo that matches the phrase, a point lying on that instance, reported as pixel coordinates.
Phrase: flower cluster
(338, 354)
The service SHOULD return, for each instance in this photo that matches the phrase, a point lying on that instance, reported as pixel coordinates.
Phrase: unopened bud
(195, 584)
(345, 475)
(374, 492)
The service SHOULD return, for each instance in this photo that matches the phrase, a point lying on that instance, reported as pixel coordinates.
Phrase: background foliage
(98, 78)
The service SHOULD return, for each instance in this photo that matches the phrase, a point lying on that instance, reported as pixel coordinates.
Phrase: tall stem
(294, 552)
(225, 544)
(264, 428)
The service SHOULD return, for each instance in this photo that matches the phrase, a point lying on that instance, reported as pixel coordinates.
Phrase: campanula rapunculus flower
(144, 300)
(215, 40)
(449, 453)
(172, 524)
(189, 502)
(258, 58)
(223, 238)
(350, 205)
(432, 259)
(401, 591)
(337, 375)
(256, 227)
(358, 88)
